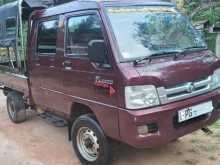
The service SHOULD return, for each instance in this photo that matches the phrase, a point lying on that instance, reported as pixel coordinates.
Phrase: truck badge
(191, 87)
(106, 84)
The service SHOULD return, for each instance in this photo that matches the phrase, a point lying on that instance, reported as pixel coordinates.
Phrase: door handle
(67, 63)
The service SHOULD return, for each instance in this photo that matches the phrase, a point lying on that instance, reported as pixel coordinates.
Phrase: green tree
(199, 10)
(203, 10)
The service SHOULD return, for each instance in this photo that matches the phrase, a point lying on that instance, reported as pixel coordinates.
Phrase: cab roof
(79, 5)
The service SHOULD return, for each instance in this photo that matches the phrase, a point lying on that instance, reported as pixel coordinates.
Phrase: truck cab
(133, 71)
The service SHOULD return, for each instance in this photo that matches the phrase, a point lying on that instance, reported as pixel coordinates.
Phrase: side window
(47, 37)
(81, 30)
(11, 26)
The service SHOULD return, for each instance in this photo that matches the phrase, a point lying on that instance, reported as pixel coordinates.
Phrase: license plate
(194, 111)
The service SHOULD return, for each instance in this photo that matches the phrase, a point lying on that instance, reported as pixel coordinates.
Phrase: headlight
(137, 97)
(216, 79)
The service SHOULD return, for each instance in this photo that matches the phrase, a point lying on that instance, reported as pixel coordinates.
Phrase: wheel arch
(78, 109)
(105, 116)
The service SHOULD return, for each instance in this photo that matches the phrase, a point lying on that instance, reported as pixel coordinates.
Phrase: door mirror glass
(97, 52)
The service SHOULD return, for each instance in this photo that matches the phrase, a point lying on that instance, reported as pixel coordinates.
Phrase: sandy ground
(37, 142)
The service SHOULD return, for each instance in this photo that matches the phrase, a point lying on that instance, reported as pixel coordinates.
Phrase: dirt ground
(37, 142)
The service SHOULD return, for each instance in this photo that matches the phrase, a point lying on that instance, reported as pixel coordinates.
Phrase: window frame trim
(78, 14)
(54, 18)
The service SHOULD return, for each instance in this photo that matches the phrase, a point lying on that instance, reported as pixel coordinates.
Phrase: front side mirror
(97, 51)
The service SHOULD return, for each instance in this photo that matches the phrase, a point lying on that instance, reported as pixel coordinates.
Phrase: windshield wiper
(154, 55)
(177, 53)
(189, 49)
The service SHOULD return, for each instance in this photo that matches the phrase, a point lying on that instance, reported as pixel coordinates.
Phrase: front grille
(184, 91)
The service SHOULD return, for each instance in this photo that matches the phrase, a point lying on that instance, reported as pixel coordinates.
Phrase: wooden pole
(217, 46)
(23, 52)
(17, 52)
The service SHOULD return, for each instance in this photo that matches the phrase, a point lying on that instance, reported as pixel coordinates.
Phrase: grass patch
(216, 125)
(212, 158)
(216, 134)
(195, 141)
(216, 129)
(209, 147)
(191, 162)
(193, 150)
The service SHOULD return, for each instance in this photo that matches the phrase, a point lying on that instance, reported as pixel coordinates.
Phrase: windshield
(143, 31)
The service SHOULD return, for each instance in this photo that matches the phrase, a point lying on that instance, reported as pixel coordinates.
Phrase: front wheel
(89, 141)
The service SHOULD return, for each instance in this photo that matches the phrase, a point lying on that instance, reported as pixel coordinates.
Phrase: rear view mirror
(97, 51)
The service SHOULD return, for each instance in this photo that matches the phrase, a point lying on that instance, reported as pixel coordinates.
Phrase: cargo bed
(13, 37)
(14, 81)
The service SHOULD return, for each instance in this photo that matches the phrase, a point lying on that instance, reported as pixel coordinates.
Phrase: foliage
(206, 11)
(212, 14)
(190, 6)
(5, 1)
(169, 31)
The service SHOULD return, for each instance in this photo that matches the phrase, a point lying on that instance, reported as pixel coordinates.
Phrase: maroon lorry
(132, 71)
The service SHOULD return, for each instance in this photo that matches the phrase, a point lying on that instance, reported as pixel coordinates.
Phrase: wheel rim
(11, 110)
(87, 143)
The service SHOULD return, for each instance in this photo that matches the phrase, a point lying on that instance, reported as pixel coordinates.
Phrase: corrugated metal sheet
(8, 11)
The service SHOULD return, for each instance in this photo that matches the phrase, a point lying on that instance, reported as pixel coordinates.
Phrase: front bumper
(165, 117)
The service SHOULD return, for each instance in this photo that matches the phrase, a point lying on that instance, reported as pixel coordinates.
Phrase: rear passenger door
(46, 65)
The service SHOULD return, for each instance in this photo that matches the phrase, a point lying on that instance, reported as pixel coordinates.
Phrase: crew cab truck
(133, 71)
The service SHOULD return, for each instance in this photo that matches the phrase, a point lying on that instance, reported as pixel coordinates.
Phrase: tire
(94, 149)
(6, 91)
(16, 107)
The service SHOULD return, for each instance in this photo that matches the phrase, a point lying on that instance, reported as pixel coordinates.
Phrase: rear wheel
(89, 141)
(16, 107)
